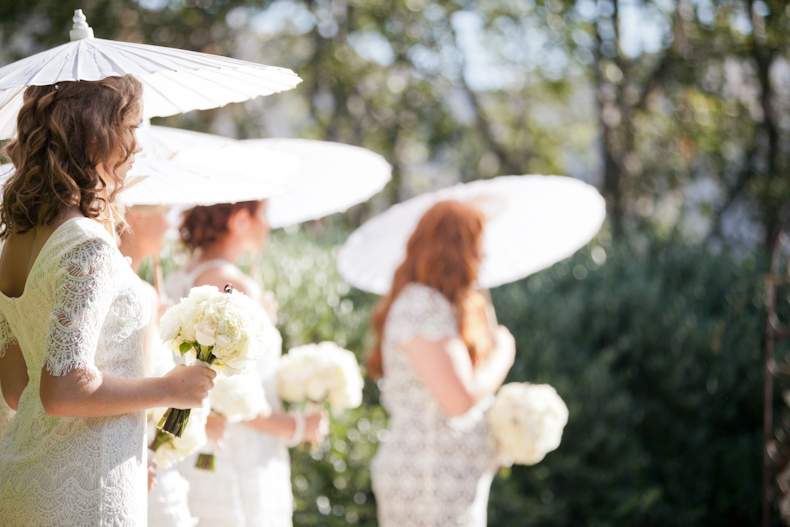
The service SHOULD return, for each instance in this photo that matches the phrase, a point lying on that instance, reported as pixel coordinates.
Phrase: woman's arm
(71, 386)
(13, 374)
(446, 369)
(281, 424)
(89, 393)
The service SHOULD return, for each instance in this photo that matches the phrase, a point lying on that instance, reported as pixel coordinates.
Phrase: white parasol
(332, 178)
(201, 178)
(533, 222)
(324, 178)
(175, 81)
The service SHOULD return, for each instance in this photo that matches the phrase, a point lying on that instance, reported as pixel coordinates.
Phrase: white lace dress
(252, 479)
(433, 470)
(82, 307)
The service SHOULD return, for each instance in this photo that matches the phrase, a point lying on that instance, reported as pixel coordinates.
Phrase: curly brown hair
(65, 131)
(202, 226)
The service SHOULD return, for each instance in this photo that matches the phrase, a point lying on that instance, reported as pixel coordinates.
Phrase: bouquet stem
(159, 439)
(175, 421)
(205, 462)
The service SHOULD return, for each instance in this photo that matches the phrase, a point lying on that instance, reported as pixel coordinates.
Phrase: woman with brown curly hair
(439, 362)
(253, 469)
(73, 316)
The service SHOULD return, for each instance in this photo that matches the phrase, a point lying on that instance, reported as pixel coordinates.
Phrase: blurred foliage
(331, 481)
(677, 109)
(657, 353)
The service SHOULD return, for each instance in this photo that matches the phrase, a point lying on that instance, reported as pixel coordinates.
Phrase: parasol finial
(81, 28)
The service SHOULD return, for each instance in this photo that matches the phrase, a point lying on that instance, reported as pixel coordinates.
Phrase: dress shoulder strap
(179, 283)
(201, 268)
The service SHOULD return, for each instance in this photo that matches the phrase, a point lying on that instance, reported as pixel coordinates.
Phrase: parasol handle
(490, 313)
(159, 279)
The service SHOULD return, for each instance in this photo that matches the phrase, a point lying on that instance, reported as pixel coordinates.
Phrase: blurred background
(678, 111)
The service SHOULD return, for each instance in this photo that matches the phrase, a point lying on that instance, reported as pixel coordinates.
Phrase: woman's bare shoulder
(229, 274)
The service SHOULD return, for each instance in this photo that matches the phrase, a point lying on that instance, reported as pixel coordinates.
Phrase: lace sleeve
(6, 337)
(420, 310)
(82, 297)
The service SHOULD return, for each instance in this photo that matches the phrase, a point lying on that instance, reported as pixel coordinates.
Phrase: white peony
(175, 449)
(321, 372)
(527, 421)
(239, 398)
(170, 324)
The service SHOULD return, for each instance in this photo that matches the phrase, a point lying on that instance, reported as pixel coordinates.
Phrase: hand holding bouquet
(224, 331)
(321, 372)
(527, 421)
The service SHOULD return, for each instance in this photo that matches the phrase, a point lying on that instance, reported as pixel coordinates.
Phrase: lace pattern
(421, 311)
(167, 502)
(79, 299)
(6, 337)
(83, 284)
(433, 470)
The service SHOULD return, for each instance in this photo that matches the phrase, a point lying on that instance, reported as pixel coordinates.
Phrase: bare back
(20, 252)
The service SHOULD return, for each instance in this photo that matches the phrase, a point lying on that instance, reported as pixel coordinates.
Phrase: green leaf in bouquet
(184, 347)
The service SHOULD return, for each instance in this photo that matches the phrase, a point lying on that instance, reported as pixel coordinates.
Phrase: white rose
(206, 332)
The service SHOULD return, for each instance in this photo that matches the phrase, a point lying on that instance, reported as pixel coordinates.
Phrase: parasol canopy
(174, 80)
(324, 177)
(532, 223)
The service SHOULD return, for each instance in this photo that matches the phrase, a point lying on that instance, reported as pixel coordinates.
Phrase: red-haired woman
(253, 475)
(439, 362)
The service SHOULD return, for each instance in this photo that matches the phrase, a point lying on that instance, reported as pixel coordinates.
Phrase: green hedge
(656, 353)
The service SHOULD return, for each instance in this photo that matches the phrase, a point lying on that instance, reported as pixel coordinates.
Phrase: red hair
(205, 225)
(444, 254)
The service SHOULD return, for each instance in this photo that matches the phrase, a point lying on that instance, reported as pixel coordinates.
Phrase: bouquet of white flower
(222, 330)
(169, 449)
(527, 421)
(238, 398)
(321, 372)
